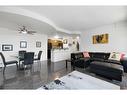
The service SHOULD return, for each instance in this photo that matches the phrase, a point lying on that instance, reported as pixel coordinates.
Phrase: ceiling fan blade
(31, 31)
(20, 31)
(25, 31)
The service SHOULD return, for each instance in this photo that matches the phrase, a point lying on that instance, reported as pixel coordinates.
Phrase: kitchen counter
(60, 54)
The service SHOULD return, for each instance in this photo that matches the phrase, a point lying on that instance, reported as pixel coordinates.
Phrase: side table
(68, 60)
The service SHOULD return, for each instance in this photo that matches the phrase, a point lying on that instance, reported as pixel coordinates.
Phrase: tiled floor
(32, 78)
(41, 74)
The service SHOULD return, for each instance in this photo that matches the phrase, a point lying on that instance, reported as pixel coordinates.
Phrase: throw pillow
(86, 54)
(115, 56)
(122, 56)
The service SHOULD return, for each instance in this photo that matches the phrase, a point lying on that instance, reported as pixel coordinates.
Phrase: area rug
(77, 80)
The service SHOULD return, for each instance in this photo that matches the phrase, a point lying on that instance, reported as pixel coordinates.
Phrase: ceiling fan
(23, 30)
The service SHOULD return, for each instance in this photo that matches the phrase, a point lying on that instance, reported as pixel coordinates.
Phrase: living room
(71, 45)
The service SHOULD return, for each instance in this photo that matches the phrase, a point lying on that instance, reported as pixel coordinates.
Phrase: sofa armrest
(124, 64)
(123, 61)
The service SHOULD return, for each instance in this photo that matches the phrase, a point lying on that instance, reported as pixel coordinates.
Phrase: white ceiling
(14, 22)
(69, 19)
(79, 18)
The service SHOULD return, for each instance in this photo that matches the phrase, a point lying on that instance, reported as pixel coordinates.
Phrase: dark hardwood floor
(42, 73)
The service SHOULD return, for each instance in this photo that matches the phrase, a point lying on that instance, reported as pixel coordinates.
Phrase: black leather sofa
(80, 61)
(98, 64)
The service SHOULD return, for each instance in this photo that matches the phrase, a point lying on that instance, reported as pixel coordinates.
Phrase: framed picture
(38, 44)
(73, 42)
(23, 44)
(65, 41)
(100, 39)
(7, 47)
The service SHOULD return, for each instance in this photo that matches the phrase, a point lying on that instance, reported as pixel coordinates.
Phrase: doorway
(53, 44)
(49, 50)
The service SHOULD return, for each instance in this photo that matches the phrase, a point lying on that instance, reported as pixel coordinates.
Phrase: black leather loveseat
(98, 63)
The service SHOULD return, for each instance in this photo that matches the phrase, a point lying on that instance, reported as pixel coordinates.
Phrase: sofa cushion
(116, 66)
(115, 56)
(100, 55)
(113, 61)
(101, 63)
(86, 54)
(75, 56)
(106, 56)
(97, 59)
(107, 64)
(79, 63)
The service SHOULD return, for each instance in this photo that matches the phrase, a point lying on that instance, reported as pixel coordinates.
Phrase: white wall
(7, 37)
(117, 38)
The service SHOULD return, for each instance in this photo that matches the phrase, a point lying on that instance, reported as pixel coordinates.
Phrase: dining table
(18, 57)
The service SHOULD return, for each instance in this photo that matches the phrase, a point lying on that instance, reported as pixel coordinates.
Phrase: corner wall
(9, 37)
(117, 38)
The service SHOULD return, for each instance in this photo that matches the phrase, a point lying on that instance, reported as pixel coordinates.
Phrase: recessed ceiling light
(56, 36)
(77, 37)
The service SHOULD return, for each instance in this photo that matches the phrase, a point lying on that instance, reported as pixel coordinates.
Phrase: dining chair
(28, 59)
(21, 56)
(39, 56)
(7, 62)
(38, 59)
